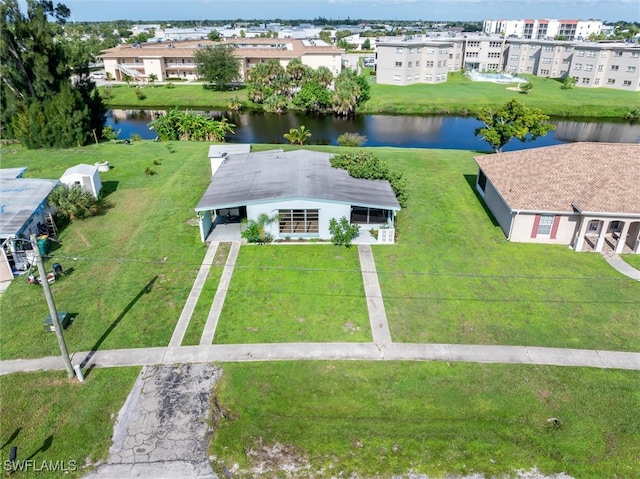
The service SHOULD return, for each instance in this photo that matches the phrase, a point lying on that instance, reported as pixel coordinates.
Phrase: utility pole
(52, 308)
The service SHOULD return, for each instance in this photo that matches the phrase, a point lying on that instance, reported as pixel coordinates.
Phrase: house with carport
(585, 195)
(301, 188)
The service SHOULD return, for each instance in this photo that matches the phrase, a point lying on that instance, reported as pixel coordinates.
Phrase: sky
(433, 10)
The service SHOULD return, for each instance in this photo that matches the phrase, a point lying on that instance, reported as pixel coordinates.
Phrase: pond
(409, 131)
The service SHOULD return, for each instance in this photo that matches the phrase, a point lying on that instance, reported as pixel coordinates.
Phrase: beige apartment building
(409, 62)
(176, 59)
(593, 65)
(543, 29)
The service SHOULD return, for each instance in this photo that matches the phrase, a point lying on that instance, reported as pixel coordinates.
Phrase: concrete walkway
(192, 300)
(334, 351)
(623, 267)
(221, 293)
(375, 303)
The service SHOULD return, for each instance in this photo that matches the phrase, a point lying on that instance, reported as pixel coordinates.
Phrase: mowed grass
(373, 419)
(180, 96)
(632, 259)
(295, 293)
(201, 312)
(52, 418)
(454, 278)
(131, 268)
(460, 95)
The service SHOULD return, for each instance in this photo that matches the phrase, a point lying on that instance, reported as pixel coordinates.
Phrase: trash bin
(63, 317)
(43, 245)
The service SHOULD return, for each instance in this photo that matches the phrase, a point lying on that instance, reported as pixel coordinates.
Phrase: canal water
(409, 131)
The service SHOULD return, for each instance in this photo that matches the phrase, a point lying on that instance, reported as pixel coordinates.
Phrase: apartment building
(406, 62)
(543, 29)
(176, 59)
(546, 58)
(602, 64)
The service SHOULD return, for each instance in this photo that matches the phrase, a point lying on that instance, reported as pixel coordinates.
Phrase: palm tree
(153, 78)
(298, 136)
(127, 79)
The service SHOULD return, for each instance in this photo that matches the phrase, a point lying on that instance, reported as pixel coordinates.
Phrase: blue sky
(97, 10)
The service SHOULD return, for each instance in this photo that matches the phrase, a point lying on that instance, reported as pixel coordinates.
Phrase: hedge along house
(586, 195)
(23, 211)
(300, 187)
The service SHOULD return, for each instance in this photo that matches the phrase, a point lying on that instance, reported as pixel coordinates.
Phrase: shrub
(632, 115)
(108, 133)
(73, 202)
(351, 139)
(343, 233)
(136, 137)
(170, 85)
(149, 172)
(140, 94)
(568, 83)
(366, 165)
(254, 231)
(235, 104)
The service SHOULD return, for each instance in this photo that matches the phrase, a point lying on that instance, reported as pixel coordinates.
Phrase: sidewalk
(334, 352)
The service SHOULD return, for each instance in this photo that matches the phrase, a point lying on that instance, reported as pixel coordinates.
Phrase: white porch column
(622, 238)
(602, 235)
(579, 242)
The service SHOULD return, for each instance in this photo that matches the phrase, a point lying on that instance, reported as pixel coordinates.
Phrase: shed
(87, 176)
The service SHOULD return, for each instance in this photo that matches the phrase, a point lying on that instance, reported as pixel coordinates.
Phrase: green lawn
(632, 259)
(459, 95)
(135, 264)
(334, 419)
(295, 293)
(201, 311)
(51, 418)
(181, 96)
(454, 278)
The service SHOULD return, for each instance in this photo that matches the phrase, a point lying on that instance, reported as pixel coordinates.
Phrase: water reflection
(447, 132)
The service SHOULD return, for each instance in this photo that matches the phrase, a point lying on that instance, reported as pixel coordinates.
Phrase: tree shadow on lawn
(471, 181)
(143, 291)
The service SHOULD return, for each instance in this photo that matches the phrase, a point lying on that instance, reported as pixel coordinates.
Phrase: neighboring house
(300, 187)
(86, 176)
(586, 195)
(23, 212)
(176, 59)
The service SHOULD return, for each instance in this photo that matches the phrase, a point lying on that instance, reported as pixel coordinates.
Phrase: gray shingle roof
(274, 176)
(594, 177)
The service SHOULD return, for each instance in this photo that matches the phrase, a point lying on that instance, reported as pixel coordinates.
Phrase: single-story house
(219, 151)
(86, 176)
(300, 187)
(23, 211)
(586, 195)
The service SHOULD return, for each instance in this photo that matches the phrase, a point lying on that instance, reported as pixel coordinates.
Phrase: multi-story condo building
(176, 59)
(602, 64)
(408, 62)
(544, 29)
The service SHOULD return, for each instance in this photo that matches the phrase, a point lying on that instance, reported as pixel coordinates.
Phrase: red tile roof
(592, 177)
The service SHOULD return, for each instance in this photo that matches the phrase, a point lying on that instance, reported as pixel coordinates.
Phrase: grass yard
(181, 96)
(295, 293)
(136, 263)
(51, 418)
(632, 259)
(201, 311)
(454, 278)
(460, 95)
(374, 419)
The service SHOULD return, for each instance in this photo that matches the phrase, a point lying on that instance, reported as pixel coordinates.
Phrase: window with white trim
(544, 227)
(298, 221)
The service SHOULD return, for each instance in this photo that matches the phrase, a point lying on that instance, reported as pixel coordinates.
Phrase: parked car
(98, 75)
